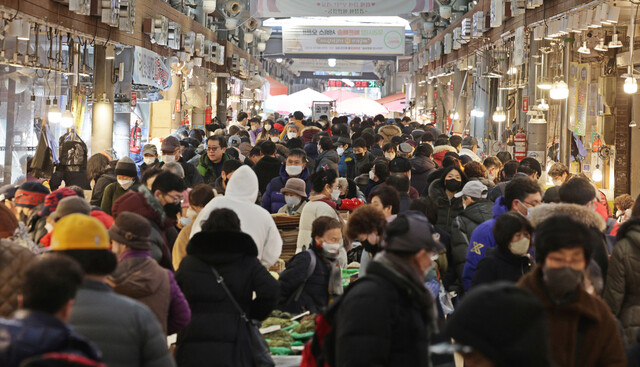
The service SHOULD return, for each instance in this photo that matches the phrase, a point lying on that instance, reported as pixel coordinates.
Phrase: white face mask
(293, 170)
(48, 227)
(191, 213)
(126, 184)
(185, 221)
(340, 151)
(335, 194)
(149, 160)
(520, 247)
(372, 175)
(332, 248)
(292, 201)
(254, 127)
(557, 182)
(319, 148)
(292, 135)
(267, 127)
(168, 158)
(390, 156)
(275, 139)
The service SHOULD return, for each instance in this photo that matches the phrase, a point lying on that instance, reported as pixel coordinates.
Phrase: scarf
(335, 273)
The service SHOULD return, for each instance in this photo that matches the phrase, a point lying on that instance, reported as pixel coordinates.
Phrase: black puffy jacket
(383, 321)
(315, 294)
(421, 168)
(211, 336)
(500, 265)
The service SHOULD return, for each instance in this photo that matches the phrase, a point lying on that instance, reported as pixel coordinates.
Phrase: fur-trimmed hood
(580, 213)
(632, 224)
(308, 133)
(389, 131)
(444, 148)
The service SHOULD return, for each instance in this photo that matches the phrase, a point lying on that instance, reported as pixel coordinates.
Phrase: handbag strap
(220, 281)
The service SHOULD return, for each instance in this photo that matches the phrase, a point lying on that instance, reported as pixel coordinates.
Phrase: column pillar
(102, 118)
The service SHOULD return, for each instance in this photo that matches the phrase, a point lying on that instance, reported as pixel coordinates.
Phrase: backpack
(295, 296)
(320, 350)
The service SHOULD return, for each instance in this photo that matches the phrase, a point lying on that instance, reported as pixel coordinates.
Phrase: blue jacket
(33, 333)
(273, 199)
(346, 167)
(481, 240)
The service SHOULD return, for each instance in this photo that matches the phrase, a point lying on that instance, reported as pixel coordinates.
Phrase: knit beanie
(126, 167)
(71, 205)
(132, 230)
(30, 194)
(51, 201)
(8, 222)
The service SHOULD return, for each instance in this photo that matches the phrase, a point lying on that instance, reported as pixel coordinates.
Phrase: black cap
(411, 232)
(7, 192)
(504, 322)
(342, 140)
(399, 164)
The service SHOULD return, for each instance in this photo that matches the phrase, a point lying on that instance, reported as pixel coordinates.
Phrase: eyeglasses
(175, 200)
(212, 149)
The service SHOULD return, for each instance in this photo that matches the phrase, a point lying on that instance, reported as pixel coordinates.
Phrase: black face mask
(360, 156)
(172, 210)
(452, 185)
(369, 247)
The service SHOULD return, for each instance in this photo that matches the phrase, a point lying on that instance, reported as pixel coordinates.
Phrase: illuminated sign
(344, 83)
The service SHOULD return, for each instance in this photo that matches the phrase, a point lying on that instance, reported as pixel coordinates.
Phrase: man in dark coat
(421, 167)
(386, 318)
(210, 164)
(171, 152)
(268, 166)
(328, 157)
(295, 167)
(40, 327)
(477, 210)
(581, 324)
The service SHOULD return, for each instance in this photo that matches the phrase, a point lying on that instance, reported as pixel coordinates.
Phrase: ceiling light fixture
(66, 119)
(584, 49)
(632, 124)
(499, 115)
(615, 43)
(54, 114)
(331, 62)
(543, 105)
(559, 90)
(601, 46)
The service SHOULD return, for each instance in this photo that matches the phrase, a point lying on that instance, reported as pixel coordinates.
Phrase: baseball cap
(474, 189)
(405, 148)
(411, 232)
(234, 141)
(79, 232)
(150, 149)
(469, 142)
(399, 164)
(170, 144)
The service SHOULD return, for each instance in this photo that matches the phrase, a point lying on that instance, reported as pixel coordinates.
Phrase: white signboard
(300, 39)
(325, 8)
(320, 108)
(497, 13)
(518, 49)
(150, 69)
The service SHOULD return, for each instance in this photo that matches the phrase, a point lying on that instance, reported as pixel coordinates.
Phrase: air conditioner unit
(206, 51)
(127, 20)
(110, 11)
(198, 46)
(174, 36)
(448, 43)
(82, 7)
(188, 41)
(478, 24)
(456, 38)
(218, 54)
(158, 29)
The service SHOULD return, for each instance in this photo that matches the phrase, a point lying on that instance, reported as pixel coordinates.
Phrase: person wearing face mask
(510, 259)
(365, 227)
(377, 176)
(559, 174)
(347, 164)
(360, 154)
(295, 167)
(389, 151)
(328, 157)
(295, 197)
(149, 157)
(255, 129)
(159, 206)
(199, 196)
(289, 132)
(386, 318)
(127, 179)
(264, 131)
(322, 203)
(493, 166)
(313, 278)
(274, 135)
(522, 194)
(443, 191)
(172, 152)
(583, 330)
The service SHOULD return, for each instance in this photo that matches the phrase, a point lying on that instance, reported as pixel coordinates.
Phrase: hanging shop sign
(320, 108)
(302, 39)
(134, 99)
(346, 83)
(497, 13)
(518, 48)
(578, 93)
(150, 69)
(324, 8)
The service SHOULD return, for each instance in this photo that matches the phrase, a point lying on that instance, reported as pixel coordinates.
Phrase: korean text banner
(301, 8)
(297, 39)
(150, 69)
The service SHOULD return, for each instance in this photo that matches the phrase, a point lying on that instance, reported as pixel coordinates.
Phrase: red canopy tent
(277, 88)
(391, 98)
(340, 95)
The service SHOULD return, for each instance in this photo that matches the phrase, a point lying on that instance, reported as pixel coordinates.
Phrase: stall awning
(391, 98)
(276, 88)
